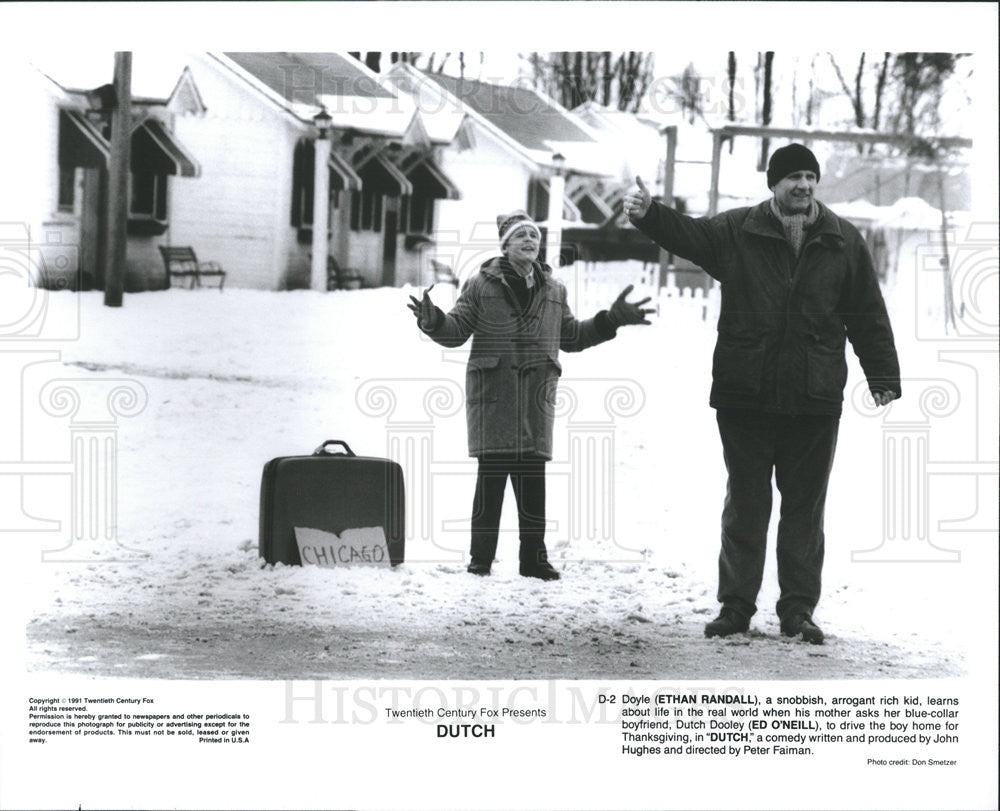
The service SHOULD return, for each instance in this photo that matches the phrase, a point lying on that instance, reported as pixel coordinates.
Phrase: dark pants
(799, 449)
(527, 474)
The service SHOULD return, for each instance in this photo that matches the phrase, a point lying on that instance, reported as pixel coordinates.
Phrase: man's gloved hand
(883, 398)
(623, 313)
(636, 203)
(424, 310)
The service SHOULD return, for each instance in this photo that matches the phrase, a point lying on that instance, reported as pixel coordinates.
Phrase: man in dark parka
(797, 283)
(519, 320)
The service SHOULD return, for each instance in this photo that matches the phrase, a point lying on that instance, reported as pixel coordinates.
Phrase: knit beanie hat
(788, 159)
(507, 224)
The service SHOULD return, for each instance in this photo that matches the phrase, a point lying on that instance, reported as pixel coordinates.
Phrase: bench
(182, 262)
(339, 279)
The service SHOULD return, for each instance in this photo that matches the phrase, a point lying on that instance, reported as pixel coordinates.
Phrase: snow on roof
(907, 213)
(441, 116)
(385, 115)
(858, 210)
(637, 144)
(911, 213)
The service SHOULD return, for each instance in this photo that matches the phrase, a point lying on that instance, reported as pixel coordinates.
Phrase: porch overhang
(155, 149)
(379, 174)
(431, 180)
(80, 142)
(152, 147)
(342, 175)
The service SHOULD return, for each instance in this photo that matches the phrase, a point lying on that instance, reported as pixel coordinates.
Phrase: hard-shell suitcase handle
(321, 450)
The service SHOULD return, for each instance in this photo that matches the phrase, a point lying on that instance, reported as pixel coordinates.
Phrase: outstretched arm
(451, 329)
(703, 240)
(426, 313)
(623, 313)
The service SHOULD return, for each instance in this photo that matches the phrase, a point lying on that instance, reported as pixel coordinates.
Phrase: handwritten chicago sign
(364, 546)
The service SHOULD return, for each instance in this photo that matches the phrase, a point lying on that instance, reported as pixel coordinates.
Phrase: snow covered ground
(237, 378)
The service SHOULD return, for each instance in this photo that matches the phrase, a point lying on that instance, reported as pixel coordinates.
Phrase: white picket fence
(594, 286)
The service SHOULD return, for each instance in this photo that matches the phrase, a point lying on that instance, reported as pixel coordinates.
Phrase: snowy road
(236, 379)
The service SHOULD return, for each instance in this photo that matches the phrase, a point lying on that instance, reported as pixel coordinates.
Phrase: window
(417, 214)
(67, 188)
(538, 200)
(302, 184)
(148, 199)
(147, 204)
(366, 211)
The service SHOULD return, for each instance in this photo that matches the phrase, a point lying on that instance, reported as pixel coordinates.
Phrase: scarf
(521, 284)
(796, 225)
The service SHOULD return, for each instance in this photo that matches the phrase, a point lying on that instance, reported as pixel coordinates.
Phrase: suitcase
(331, 492)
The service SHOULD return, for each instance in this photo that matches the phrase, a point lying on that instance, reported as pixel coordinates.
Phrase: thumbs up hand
(637, 201)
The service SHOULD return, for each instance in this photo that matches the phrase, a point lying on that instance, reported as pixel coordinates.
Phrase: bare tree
(919, 81)
(811, 100)
(857, 101)
(575, 77)
(883, 73)
(607, 78)
(407, 57)
(431, 62)
(371, 59)
(765, 113)
(688, 92)
(731, 77)
(922, 79)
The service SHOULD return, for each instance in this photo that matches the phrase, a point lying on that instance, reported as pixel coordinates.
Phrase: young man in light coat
(797, 283)
(519, 320)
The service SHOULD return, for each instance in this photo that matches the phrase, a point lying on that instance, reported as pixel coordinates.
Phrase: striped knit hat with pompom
(507, 224)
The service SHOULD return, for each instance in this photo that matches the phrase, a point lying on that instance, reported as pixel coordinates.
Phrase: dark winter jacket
(514, 369)
(784, 322)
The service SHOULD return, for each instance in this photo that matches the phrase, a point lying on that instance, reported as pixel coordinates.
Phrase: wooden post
(321, 214)
(118, 176)
(557, 191)
(668, 193)
(713, 193)
(949, 296)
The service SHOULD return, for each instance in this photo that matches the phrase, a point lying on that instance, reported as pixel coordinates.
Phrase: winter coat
(513, 368)
(784, 321)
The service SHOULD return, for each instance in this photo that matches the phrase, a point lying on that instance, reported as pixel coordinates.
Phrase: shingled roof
(531, 119)
(303, 77)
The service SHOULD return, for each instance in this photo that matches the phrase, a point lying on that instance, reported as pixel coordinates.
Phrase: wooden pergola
(722, 134)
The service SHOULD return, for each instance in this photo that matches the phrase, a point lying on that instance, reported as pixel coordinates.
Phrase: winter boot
(534, 560)
(727, 623)
(802, 624)
(542, 570)
(480, 567)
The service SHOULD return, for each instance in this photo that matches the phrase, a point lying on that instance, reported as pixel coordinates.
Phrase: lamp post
(557, 189)
(321, 201)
